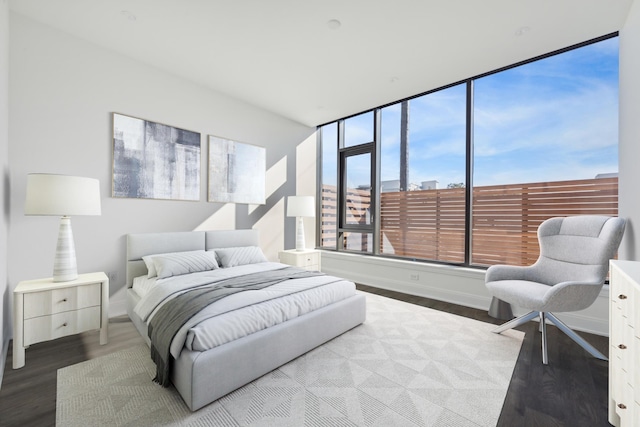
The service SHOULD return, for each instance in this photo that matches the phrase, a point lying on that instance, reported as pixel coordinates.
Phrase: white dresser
(624, 343)
(44, 310)
(308, 259)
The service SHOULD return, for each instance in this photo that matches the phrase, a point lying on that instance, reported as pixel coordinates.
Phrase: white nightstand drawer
(58, 325)
(60, 300)
(308, 259)
(311, 259)
(44, 310)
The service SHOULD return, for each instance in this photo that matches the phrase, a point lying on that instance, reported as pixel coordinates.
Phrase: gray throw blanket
(173, 314)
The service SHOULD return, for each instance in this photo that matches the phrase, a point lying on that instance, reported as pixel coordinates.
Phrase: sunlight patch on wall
(223, 219)
(276, 177)
(306, 182)
(271, 230)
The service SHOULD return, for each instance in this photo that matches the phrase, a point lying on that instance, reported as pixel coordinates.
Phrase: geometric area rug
(407, 365)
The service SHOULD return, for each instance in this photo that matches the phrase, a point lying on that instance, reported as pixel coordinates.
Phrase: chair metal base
(544, 316)
(500, 309)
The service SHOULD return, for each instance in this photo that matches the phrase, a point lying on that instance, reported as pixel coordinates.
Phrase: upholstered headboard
(139, 245)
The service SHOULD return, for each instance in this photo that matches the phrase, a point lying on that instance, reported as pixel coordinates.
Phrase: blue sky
(549, 120)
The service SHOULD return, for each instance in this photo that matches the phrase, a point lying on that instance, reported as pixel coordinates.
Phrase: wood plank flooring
(570, 391)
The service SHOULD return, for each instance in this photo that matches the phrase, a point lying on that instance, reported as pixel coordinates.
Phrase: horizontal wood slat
(430, 224)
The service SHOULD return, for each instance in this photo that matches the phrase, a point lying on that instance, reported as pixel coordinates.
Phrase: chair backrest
(577, 248)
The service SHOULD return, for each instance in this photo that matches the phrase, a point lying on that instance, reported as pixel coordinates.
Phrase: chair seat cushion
(523, 293)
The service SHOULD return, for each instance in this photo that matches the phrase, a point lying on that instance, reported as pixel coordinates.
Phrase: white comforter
(242, 313)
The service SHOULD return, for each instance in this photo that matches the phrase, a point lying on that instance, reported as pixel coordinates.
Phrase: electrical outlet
(414, 276)
(113, 276)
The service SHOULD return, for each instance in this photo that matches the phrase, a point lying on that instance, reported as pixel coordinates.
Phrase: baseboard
(456, 285)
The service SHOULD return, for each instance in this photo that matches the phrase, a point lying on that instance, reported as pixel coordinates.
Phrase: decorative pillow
(231, 257)
(175, 264)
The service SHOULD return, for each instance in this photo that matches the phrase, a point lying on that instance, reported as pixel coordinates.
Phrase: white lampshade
(62, 195)
(301, 206)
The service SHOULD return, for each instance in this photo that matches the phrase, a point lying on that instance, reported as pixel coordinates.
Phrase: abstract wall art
(154, 161)
(236, 172)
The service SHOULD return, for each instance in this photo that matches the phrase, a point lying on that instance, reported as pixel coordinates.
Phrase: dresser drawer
(624, 339)
(58, 325)
(622, 294)
(55, 301)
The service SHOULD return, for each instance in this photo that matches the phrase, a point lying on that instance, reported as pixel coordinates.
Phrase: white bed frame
(203, 377)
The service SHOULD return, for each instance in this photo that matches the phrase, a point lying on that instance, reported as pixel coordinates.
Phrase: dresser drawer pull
(64, 300)
(622, 406)
(622, 346)
(64, 324)
(622, 296)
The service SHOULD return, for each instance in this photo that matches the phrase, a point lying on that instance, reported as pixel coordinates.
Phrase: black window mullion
(319, 181)
(468, 220)
(339, 178)
(375, 180)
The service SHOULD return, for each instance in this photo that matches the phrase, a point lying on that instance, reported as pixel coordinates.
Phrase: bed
(230, 358)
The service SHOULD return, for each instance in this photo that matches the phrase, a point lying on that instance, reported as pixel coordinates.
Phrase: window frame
(374, 148)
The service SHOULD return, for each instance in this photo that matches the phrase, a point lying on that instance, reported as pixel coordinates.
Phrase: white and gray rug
(405, 366)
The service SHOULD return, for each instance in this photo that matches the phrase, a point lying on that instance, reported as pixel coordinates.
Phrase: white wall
(62, 93)
(629, 154)
(5, 312)
(463, 286)
(466, 286)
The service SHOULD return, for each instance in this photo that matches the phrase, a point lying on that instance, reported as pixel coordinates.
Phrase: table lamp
(300, 206)
(62, 195)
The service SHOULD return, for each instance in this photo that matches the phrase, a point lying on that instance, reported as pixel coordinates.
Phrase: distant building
(607, 175)
(393, 185)
(390, 186)
(429, 185)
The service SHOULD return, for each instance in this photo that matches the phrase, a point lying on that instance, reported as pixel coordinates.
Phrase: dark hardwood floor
(28, 394)
(570, 391)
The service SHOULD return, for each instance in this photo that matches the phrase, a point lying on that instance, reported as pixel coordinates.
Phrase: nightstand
(44, 310)
(308, 259)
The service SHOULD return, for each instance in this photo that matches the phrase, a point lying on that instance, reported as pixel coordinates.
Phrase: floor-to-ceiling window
(545, 143)
(465, 174)
(422, 173)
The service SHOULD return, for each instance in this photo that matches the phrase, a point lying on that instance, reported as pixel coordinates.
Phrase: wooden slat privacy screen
(429, 224)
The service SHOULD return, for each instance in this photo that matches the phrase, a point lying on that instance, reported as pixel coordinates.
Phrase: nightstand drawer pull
(64, 300)
(622, 346)
(622, 406)
(64, 324)
(622, 296)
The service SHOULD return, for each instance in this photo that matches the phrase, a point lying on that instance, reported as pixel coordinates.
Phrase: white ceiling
(281, 55)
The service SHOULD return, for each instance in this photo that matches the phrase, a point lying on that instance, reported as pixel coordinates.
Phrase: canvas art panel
(154, 161)
(236, 172)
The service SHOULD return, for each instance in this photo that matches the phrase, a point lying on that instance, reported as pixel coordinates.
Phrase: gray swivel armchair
(568, 275)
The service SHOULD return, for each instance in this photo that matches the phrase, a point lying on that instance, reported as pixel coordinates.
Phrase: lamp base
(64, 263)
(300, 235)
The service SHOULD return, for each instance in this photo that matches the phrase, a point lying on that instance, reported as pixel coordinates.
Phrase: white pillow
(231, 257)
(175, 264)
(151, 268)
